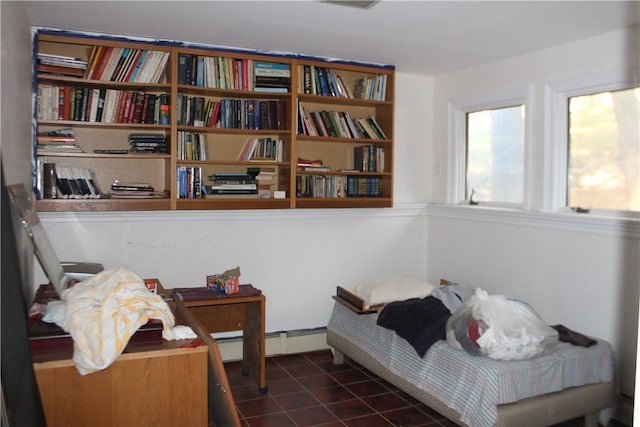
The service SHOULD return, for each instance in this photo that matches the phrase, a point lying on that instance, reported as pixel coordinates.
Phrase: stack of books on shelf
(311, 165)
(190, 182)
(192, 146)
(323, 81)
(118, 64)
(57, 141)
(61, 65)
(232, 185)
(338, 124)
(271, 77)
(147, 143)
(76, 183)
(132, 190)
(266, 149)
(266, 179)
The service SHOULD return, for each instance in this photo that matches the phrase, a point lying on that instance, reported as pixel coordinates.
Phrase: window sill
(568, 221)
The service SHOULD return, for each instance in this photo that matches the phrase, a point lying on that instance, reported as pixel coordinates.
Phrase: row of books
(231, 73)
(372, 88)
(61, 65)
(339, 124)
(72, 183)
(189, 182)
(323, 81)
(192, 146)
(101, 105)
(369, 158)
(231, 113)
(262, 149)
(338, 186)
(57, 141)
(120, 64)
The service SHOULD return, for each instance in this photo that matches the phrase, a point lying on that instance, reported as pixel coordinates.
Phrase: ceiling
(424, 37)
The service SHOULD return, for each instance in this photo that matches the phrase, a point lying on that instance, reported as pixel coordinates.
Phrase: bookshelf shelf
(81, 124)
(232, 203)
(331, 139)
(333, 100)
(102, 205)
(233, 131)
(132, 157)
(351, 202)
(219, 102)
(229, 93)
(74, 81)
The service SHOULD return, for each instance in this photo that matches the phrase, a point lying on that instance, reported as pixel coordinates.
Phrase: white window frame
(457, 119)
(556, 138)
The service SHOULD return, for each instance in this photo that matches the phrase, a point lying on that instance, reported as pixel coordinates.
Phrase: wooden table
(244, 311)
(153, 382)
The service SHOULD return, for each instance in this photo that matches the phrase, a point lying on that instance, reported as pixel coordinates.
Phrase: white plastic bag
(499, 328)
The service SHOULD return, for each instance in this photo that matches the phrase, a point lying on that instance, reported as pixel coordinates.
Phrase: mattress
(473, 386)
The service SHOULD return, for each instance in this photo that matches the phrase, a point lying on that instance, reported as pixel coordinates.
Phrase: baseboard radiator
(277, 343)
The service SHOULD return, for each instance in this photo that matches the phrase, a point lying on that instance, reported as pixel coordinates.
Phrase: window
(604, 151)
(495, 155)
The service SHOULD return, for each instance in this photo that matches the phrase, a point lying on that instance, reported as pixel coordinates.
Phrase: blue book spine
(200, 72)
(271, 65)
(324, 84)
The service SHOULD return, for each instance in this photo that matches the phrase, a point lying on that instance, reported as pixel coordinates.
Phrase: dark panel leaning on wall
(21, 404)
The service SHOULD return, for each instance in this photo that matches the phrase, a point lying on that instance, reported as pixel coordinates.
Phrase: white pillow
(391, 289)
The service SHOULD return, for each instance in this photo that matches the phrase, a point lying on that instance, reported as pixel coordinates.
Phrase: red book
(61, 103)
(122, 101)
(137, 107)
(245, 74)
(145, 105)
(236, 77)
(127, 107)
(102, 62)
(214, 114)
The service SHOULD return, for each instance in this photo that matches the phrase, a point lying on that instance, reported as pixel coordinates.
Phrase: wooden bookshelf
(219, 100)
(341, 103)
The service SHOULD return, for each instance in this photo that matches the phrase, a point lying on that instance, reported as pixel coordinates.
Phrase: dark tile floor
(309, 390)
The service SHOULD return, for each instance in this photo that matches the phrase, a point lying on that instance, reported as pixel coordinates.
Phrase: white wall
(15, 112)
(16, 85)
(584, 274)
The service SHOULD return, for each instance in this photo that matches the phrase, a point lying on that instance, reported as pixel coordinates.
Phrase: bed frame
(545, 410)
